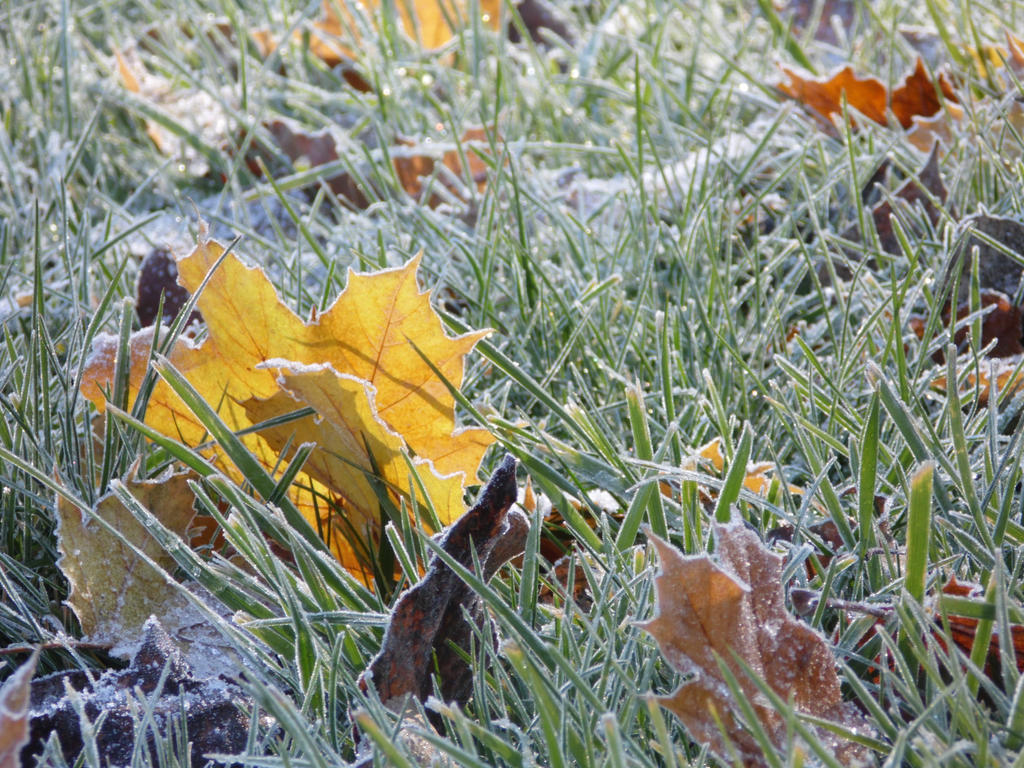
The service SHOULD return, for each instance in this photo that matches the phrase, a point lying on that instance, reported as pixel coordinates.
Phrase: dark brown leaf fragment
(159, 276)
(214, 721)
(1000, 244)
(430, 620)
(538, 15)
(924, 188)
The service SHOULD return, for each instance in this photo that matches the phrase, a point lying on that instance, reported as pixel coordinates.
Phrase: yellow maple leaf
(366, 346)
(353, 441)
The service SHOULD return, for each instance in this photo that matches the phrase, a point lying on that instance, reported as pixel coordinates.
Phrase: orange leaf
(1009, 378)
(964, 629)
(824, 95)
(915, 96)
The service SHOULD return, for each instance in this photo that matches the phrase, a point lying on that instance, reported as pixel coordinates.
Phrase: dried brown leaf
(1000, 245)
(732, 611)
(413, 163)
(921, 189)
(158, 276)
(431, 617)
(964, 629)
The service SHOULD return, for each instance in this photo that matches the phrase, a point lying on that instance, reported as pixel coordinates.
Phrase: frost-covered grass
(650, 236)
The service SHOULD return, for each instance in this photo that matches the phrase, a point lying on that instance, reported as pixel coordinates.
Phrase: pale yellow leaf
(113, 589)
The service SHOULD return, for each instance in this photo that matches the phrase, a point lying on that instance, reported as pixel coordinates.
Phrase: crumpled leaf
(113, 590)
(916, 96)
(14, 703)
(729, 611)
(431, 617)
(374, 332)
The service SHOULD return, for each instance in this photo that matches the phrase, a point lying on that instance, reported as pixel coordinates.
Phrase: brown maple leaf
(731, 612)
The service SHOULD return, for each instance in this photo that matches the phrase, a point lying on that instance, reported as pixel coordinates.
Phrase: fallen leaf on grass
(964, 629)
(1001, 325)
(158, 281)
(113, 590)
(922, 189)
(916, 96)
(936, 130)
(14, 701)
(352, 440)
(1006, 374)
(1000, 244)
(756, 479)
(732, 611)
(336, 36)
(429, 631)
(200, 114)
(368, 342)
(413, 163)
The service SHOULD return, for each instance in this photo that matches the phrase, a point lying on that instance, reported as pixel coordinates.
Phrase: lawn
(717, 289)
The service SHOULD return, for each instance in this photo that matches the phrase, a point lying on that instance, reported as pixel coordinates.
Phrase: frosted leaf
(709, 611)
